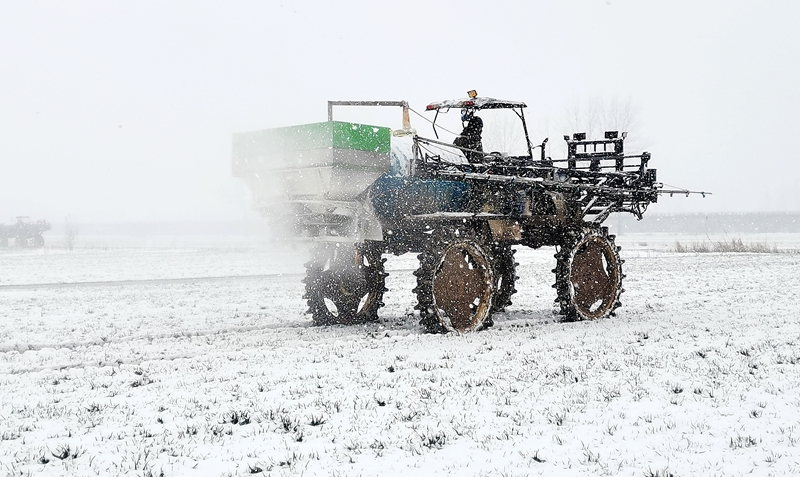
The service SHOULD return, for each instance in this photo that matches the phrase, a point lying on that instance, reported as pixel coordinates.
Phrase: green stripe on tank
(360, 137)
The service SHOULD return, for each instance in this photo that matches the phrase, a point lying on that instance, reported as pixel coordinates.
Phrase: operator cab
(501, 138)
(482, 134)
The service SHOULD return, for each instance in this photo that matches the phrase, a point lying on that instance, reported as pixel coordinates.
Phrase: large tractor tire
(455, 285)
(38, 241)
(345, 284)
(588, 275)
(505, 276)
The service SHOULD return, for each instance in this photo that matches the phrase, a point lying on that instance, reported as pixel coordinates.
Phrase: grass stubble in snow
(699, 374)
(736, 245)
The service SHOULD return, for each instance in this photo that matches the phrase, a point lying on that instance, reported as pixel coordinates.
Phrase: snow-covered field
(195, 358)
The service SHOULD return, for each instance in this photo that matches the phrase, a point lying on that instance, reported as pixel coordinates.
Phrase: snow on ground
(196, 359)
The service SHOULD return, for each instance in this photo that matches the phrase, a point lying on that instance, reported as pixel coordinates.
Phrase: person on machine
(470, 139)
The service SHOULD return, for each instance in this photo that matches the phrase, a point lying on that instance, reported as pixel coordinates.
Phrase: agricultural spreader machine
(360, 191)
(25, 232)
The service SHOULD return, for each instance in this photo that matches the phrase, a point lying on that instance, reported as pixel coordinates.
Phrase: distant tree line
(719, 223)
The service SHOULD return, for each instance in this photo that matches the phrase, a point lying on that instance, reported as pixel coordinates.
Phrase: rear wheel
(455, 286)
(38, 241)
(345, 284)
(588, 275)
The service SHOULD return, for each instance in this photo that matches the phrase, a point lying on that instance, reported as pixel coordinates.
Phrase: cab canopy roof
(474, 103)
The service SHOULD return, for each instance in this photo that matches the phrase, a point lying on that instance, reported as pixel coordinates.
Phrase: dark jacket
(470, 138)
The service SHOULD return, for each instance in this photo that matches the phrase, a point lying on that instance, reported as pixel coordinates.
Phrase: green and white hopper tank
(313, 172)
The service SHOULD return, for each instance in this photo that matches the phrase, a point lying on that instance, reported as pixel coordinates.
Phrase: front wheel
(588, 274)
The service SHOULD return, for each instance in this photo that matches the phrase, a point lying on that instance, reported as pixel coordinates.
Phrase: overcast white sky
(125, 110)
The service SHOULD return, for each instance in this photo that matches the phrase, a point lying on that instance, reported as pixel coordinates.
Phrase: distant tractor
(26, 233)
(359, 191)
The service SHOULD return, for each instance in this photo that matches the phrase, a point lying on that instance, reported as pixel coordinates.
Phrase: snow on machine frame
(360, 191)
